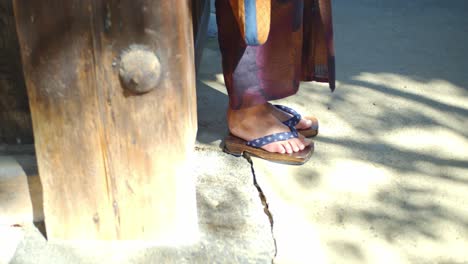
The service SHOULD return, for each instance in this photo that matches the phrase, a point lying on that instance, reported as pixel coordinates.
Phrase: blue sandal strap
(294, 120)
(260, 142)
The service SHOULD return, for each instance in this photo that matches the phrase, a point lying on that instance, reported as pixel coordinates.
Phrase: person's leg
(255, 75)
(258, 74)
(258, 121)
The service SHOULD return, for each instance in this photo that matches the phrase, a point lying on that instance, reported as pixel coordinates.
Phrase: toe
(275, 147)
(280, 148)
(299, 144)
(304, 124)
(308, 123)
(314, 123)
(305, 141)
(294, 145)
(287, 147)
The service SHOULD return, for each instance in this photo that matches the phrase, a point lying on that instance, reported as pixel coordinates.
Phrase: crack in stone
(263, 198)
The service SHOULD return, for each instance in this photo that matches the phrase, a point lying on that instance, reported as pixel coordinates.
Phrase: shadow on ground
(392, 155)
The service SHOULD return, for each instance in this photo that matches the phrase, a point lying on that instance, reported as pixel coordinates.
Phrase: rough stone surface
(10, 237)
(15, 203)
(233, 225)
(231, 213)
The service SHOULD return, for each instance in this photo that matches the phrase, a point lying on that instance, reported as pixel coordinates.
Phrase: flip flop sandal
(237, 146)
(296, 117)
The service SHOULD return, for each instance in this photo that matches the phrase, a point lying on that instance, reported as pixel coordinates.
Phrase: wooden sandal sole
(237, 146)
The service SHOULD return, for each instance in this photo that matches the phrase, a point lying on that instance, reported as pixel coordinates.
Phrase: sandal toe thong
(296, 118)
(237, 146)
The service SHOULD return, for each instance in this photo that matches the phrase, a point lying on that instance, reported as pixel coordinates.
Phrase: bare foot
(304, 123)
(259, 121)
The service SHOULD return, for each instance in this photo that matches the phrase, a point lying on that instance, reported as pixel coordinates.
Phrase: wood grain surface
(112, 163)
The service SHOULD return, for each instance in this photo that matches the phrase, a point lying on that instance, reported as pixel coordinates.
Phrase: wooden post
(111, 88)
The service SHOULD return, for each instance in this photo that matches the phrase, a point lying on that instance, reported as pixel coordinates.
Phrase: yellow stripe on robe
(239, 13)
(263, 19)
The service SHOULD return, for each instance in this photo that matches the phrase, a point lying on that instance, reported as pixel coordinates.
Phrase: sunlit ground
(384, 186)
(388, 182)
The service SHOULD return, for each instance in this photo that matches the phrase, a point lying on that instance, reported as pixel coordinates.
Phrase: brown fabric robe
(299, 48)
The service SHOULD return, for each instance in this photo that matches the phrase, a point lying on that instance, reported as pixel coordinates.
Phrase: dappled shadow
(422, 39)
(307, 178)
(400, 107)
(402, 96)
(404, 161)
(407, 212)
(426, 100)
(349, 251)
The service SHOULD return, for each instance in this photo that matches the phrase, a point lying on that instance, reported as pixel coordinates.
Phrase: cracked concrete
(264, 200)
(388, 180)
(233, 224)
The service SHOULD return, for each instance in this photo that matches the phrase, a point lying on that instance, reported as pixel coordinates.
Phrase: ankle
(242, 119)
(234, 121)
(255, 110)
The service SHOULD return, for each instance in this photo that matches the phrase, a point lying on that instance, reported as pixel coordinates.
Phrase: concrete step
(15, 200)
(16, 209)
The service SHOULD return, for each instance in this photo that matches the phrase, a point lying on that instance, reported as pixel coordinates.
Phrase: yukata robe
(299, 48)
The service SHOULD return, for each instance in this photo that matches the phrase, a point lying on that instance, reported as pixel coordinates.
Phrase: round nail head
(140, 69)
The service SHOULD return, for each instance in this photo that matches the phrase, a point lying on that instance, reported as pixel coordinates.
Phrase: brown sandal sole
(308, 133)
(237, 146)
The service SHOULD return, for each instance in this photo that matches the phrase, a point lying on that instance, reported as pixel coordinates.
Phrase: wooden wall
(15, 117)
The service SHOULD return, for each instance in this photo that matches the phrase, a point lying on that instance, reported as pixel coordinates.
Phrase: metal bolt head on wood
(140, 69)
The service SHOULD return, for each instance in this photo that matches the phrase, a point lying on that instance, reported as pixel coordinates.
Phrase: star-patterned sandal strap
(294, 120)
(260, 142)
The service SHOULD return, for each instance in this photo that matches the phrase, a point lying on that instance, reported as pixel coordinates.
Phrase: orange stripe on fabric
(263, 19)
(239, 13)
